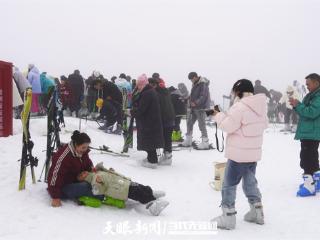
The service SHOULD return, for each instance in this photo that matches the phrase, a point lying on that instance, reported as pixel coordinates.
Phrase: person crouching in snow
(308, 132)
(113, 185)
(244, 123)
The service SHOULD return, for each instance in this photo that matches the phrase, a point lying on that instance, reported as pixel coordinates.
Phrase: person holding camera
(308, 132)
(199, 103)
(244, 123)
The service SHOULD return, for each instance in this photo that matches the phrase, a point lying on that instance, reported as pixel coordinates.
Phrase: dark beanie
(156, 76)
(243, 85)
(192, 75)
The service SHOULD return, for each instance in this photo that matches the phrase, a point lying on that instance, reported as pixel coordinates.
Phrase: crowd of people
(158, 110)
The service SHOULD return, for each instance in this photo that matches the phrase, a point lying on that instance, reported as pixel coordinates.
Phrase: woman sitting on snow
(117, 189)
(245, 123)
(72, 163)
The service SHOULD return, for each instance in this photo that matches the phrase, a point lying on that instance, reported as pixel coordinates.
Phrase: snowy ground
(28, 215)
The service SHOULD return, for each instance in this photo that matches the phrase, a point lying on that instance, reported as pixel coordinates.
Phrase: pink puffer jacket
(245, 123)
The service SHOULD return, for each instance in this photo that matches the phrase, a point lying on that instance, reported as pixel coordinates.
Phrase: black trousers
(177, 122)
(309, 156)
(167, 135)
(152, 156)
(140, 193)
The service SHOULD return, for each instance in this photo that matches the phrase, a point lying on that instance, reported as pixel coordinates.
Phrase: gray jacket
(21, 82)
(200, 94)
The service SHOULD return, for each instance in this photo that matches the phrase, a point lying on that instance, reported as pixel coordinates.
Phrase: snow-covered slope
(28, 215)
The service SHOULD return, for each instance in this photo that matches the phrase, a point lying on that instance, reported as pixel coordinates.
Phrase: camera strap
(217, 140)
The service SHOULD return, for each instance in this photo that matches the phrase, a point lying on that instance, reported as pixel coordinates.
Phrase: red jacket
(65, 168)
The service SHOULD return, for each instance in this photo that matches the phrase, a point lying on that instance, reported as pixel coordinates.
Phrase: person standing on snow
(34, 79)
(149, 123)
(258, 88)
(180, 109)
(244, 123)
(76, 84)
(167, 117)
(125, 87)
(289, 112)
(199, 103)
(22, 85)
(300, 88)
(308, 132)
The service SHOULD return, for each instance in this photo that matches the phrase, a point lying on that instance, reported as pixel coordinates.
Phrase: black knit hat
(192, 75)
(243, 85)
(156, 76)
(122, 75)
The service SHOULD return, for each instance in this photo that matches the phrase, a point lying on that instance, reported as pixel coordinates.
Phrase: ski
(27, 158)
(194, 145)
(105, 149)
(54, 119)
(128, 137)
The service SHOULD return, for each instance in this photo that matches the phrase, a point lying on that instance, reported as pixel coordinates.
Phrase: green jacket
(309, 113)
(113, 184)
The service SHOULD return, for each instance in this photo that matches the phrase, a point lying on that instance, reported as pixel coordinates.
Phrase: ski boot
(255, 215)
(286, 128)
(227, 220)
(165, 159)
(308, 187)
(147, 164)
(316, 178)
(187, 142)
(204, 145)
(118, 131)
(174, 136)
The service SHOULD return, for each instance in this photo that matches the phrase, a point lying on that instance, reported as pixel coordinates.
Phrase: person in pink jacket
(244, 124)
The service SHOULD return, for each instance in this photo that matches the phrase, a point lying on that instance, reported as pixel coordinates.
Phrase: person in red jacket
(67, 164)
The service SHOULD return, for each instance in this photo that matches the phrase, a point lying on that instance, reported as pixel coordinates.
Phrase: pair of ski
(27, 159)
(106, 150)
(194, 145)
(54, 120)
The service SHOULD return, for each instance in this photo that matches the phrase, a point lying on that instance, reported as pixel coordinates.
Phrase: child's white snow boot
(227, 220)
(158, 194)
(156, 207)
(255, 215)
(308, 187)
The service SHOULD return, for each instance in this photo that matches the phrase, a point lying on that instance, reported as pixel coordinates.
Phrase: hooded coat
(149, 121)
(34, 80)
(21, 82)
(112, 185)
(244, 123)
(200, 94)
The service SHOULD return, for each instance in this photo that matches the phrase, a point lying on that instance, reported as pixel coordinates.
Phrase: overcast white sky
(276, 41)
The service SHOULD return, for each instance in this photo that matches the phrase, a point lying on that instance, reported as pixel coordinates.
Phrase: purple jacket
(34, 80)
